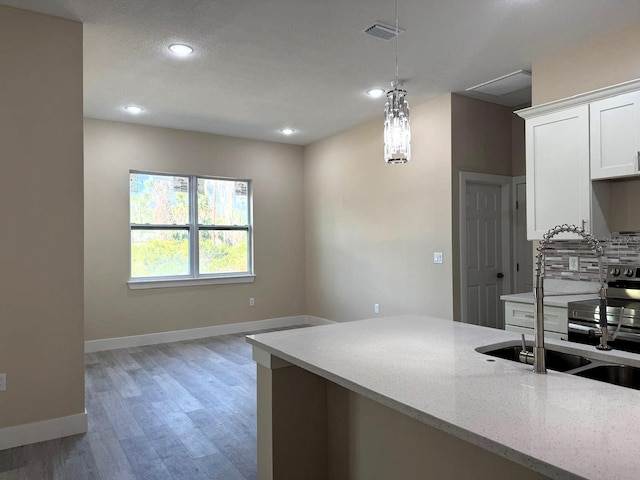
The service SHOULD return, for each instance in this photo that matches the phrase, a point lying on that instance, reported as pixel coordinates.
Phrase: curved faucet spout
(538, 290)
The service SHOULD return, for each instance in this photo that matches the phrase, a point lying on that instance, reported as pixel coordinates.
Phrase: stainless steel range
(623, 310)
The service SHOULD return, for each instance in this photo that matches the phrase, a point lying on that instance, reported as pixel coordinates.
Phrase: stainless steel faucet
(538, 359)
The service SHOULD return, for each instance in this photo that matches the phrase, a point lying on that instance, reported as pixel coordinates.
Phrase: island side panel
(292, 424)
(369, 441)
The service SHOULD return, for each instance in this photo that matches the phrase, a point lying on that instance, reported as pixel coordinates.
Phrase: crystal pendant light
(397, 131)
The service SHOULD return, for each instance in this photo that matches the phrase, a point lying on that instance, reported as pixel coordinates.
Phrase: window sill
(140, 284)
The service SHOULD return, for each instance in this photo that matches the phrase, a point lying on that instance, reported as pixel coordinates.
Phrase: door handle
(500, 275)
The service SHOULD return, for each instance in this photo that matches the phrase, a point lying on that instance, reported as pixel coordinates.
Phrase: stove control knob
(628, 272)
(615, 272)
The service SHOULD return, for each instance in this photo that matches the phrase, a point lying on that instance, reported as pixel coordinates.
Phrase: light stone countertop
(550, 299)
(560, 425)
(558, 293)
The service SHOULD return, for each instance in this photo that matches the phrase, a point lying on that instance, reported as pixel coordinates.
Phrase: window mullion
(154, 226)
(243, 228)
(193, 226)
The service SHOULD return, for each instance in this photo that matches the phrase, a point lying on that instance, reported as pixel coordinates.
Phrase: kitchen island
(409, 397)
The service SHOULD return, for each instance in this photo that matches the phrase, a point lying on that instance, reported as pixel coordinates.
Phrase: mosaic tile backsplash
(620, 248)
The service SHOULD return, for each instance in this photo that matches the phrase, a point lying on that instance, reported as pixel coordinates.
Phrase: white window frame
(194, 278)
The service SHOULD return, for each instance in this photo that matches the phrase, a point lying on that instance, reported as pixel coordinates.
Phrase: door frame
(506, 195)
(520, 180)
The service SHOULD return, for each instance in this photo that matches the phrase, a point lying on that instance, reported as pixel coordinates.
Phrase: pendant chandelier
(397, 131)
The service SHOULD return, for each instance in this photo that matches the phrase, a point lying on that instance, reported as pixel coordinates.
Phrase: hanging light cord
(397, 33)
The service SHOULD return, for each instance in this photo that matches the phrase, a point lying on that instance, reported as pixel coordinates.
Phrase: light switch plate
(574, 264)
(437, 257)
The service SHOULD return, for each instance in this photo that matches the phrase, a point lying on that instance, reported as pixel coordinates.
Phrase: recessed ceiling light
(181, 49)
(287, 131)
(133, 109)
(375, 92)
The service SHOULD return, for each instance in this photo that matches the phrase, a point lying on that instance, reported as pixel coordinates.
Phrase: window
(186, 228)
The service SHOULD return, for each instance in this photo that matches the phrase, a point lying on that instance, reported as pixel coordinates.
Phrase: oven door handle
(574, 327)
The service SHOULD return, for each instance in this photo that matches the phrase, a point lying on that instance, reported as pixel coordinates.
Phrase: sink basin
(622, 375)
(593, 369)
(558, 361)
(563, 362)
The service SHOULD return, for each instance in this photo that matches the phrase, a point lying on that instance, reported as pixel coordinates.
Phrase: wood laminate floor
(180, 411)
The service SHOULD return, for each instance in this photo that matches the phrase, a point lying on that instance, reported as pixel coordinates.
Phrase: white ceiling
(261, 65)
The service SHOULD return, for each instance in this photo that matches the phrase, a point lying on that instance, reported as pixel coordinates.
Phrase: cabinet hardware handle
(639, 160)
(528, 315)
(583, 224)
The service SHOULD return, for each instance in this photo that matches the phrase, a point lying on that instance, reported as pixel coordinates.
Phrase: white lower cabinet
(531, 332)
(519, 317)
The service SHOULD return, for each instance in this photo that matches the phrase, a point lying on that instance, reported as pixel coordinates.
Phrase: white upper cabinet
(558, 182)
(570, 142)
(615, 136)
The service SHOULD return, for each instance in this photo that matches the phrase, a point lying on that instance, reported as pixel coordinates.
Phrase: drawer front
(529, 331)
(514, 328)
(521, 315)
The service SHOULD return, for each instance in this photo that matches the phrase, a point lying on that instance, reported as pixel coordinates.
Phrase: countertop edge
(473, 438)
(561, 300)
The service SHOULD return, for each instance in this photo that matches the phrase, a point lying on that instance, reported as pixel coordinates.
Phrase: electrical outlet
(3, 382)
(574, 264)
(252, 302)
(376, 308)
(437, 257)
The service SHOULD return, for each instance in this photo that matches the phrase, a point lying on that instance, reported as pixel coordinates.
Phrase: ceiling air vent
(504, 85)
(380, 30)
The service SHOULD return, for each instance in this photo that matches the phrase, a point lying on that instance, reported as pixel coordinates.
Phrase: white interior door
(484, 255)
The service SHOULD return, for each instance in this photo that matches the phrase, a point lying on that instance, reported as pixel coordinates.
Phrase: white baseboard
(203, 332)
(42, 431)
(35, 432)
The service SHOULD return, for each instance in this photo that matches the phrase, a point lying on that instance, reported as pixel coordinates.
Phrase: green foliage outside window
(160, 202)
(222, 253)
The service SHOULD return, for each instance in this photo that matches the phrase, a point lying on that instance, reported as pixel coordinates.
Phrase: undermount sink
(558, 361)
(622, 375)
(603, 371)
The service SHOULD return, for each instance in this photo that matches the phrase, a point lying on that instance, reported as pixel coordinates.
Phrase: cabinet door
(521, 315)
(558, 181)
(615, 134)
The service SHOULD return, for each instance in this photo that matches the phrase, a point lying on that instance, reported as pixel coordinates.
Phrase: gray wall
(371, 228)
(41, 291)
(605, 60)
(481, 143)
(112, 309)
